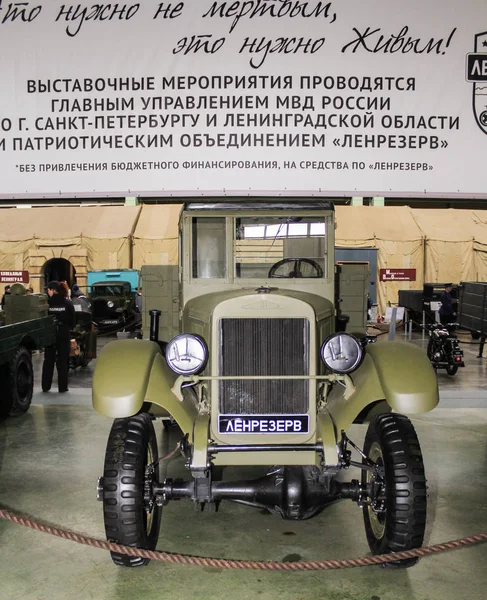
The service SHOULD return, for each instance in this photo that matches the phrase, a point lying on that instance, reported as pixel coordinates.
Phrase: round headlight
(187, 354)
(342, 353)
(110, 304)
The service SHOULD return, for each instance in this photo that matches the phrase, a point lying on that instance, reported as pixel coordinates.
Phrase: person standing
(64, 290)
(76, 292)
(481, 346)
(7, 292)
(447, 312)
(63, 312)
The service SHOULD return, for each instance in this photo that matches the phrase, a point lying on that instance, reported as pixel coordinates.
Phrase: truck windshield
(107, 290)
(209, 248)
(281, 247)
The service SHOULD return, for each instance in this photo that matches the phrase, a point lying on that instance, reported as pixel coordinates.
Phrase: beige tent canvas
(156, 235)
(395, 234)
(89, 237)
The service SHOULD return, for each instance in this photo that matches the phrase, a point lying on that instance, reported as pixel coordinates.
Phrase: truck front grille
(253, 347)
(100, 310)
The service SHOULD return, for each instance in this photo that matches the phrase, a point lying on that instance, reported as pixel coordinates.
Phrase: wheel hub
(376, 490)
(149, 496)
(23, 381)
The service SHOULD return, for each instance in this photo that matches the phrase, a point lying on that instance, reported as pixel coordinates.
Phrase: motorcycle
(444, 349)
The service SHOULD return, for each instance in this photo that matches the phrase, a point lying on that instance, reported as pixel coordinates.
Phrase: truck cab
(258, 288)
(113, 299)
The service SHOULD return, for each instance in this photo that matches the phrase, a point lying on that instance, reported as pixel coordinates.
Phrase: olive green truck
(24, 327)
(246, 352)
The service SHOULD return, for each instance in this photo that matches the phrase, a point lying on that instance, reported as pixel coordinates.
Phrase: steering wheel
(296, 270)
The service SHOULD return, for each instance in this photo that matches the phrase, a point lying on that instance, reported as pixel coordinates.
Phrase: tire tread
(10, 402)
(405, 484)
(123, 487)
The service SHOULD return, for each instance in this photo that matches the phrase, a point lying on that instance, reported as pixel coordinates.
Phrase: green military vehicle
(259, 373)
(24, 327)
(113, 305)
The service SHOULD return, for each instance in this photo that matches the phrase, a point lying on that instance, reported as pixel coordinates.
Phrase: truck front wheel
(17, 384)
(131, 516)
(395, 514)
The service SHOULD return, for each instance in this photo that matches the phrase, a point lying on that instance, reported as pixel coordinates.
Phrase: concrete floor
(50, 459)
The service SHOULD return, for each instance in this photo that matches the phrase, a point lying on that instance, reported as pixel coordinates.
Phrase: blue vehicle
(130, 276)
(113, 296)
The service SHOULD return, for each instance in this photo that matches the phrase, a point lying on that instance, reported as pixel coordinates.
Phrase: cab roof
(251, 205)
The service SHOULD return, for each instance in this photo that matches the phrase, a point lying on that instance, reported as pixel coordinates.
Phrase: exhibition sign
(397, 274)
(14, 276)
(250, 97)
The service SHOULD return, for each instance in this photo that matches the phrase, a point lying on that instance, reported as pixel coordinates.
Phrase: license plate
(263, 424)
(110, 322)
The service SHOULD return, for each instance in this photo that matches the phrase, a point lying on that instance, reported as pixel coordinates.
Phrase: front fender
(406, 376)
(398, 372)
(131, 373)
(122, 376)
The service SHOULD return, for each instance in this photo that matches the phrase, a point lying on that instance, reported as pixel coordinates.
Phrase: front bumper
(110, 322)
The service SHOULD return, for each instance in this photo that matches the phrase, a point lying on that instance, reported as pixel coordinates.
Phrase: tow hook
(99, 489)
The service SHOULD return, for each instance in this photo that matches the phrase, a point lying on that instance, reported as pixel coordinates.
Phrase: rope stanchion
(183, 559)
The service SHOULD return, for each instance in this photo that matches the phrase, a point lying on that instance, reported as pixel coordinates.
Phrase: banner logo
(477, 74)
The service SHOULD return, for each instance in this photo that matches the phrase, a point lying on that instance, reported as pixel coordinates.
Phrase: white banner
(203, 97)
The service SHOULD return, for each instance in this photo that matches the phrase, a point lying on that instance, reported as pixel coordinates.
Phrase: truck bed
(472, 307)
(34, 334)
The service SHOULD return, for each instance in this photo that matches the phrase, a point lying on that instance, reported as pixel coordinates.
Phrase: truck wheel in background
(83, 361)
(5, 400)
(17, 384)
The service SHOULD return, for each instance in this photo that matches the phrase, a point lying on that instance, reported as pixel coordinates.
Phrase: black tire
(17, 384)
(391, 441)
(131, 447)
(5, 397)
(451, 369)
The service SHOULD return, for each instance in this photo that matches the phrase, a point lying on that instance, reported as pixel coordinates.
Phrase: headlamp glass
(187, 354)
(342, 353)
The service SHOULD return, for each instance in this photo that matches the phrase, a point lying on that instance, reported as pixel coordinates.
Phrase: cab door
(352, 282)
(160, 291)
